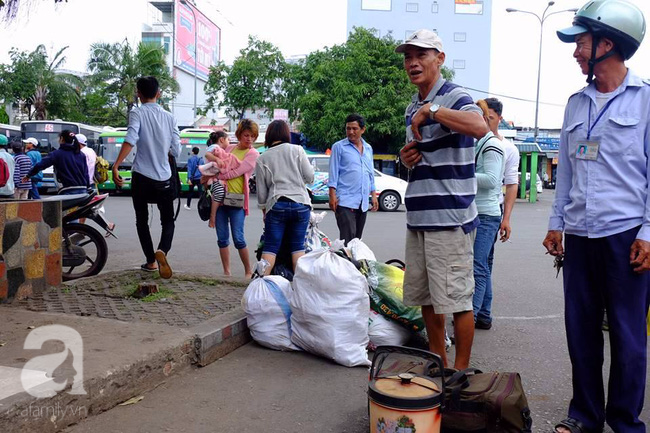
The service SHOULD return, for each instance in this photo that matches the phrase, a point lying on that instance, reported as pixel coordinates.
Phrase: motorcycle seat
(70, 200)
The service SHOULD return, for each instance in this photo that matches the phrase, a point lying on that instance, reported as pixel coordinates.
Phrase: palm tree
(118, 66)
(52, 81)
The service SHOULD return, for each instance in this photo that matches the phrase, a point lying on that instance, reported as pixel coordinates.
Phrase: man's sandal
(574, 426)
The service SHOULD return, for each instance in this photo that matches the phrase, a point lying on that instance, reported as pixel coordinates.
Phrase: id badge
(588, 150)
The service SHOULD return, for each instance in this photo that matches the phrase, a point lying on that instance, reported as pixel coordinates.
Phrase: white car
(391, 190)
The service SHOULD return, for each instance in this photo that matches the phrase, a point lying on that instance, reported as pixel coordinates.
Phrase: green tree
(9, 8)
(115, 69)
(365, 76)
(34, 82)
(252, 82)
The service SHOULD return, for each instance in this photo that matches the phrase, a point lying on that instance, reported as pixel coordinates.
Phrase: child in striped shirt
(23, 166)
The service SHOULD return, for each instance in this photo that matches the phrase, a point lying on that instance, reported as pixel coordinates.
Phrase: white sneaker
(187, 207)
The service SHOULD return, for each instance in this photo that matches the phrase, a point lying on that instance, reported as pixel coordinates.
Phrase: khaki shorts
(440, 270)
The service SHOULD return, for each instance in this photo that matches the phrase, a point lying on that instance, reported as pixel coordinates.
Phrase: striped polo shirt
(442, 186)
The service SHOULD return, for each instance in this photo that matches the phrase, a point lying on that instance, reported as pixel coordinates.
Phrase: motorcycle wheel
(94, 246)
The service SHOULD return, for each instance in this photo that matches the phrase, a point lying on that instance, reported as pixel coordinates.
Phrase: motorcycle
(83, 248)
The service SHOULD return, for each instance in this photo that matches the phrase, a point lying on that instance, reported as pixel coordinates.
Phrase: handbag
(205, 204)
(233, 199)
(485, 402)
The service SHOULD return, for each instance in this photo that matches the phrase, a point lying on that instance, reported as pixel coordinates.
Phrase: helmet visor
(569, 34)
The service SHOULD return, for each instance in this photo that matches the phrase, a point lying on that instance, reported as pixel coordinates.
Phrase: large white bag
(266, 304)
(316, 239)
(329, 307)
(360, 251)
(385, 332)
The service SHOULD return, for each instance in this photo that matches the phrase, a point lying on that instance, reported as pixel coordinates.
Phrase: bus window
(47, 133)
(109, 149)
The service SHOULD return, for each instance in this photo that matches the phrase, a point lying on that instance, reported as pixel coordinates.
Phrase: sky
(302, 26)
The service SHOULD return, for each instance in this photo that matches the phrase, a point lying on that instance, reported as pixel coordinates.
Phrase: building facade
(177, 25)
(463, 25)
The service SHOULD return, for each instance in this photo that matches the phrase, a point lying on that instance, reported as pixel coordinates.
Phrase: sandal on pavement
(145, 267)
(163, 265)
(111, 229)
(574, 426)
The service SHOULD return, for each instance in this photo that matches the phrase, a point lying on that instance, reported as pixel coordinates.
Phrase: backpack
(101, 170)
(4, 172)
(485, 402)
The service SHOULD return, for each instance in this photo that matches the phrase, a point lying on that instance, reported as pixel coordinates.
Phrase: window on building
(460, 37)
(376, 5)
(459, 64)
(408, 33)
(434, 8)
(166, 42)
(411, 7)
(472, 7)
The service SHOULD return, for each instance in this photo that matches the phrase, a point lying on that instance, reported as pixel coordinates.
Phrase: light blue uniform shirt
(609, 195)
(153, 130)
(352, 174)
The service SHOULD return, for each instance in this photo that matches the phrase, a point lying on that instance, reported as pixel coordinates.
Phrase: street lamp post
(539, 62)
(195, 56)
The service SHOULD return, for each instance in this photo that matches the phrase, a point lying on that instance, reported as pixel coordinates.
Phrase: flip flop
(111, 227)
(146, 268)
(163, 265)
(574, 426)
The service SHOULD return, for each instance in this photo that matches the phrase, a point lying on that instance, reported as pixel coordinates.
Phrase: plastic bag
(316, 239)
(360, 251)
(268, 313)
(330, 308)
(384, 332)
(387, 294)
(205, 204)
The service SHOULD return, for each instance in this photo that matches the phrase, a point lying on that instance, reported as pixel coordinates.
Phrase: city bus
(47, 133)
(110, 143)
(12, 132)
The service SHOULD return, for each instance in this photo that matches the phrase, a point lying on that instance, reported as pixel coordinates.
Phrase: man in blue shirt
(31, 145)
(155, 133)
(603, 207)
(352, 179)
(193, 175)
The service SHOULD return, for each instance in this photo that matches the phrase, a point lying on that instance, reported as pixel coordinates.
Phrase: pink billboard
(208, 40)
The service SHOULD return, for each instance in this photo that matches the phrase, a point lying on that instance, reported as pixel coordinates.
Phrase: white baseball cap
(31, 140)
(423, 38)
(81, 139)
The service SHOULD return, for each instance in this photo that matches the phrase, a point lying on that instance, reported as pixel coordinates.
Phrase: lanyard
(589, 125)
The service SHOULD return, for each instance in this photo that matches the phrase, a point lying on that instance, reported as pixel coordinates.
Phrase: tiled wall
(30, 257)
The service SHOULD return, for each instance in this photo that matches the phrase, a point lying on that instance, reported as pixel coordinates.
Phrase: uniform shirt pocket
(624, 131)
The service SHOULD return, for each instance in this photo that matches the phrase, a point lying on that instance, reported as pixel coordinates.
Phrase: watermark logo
(73, 347)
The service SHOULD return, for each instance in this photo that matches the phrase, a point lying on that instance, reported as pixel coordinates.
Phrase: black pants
(194, 183)
(143, 191)
(350, 222)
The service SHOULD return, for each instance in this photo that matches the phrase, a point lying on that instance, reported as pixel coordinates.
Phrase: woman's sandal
(574, 426)
(111, 228)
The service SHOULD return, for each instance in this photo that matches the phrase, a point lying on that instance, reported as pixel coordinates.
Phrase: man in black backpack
(154, 131)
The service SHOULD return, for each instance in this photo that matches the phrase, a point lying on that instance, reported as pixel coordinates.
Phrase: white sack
(360, 251)
(385, 332)
(316, 240)
(329, 307)
(266, 304)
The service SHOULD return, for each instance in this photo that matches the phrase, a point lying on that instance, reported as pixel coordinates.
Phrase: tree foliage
(363, 76)
(115, 69)
(252, 82)
(9, 8)
(35, 83)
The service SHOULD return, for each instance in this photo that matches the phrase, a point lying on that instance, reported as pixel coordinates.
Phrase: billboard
(208, 40)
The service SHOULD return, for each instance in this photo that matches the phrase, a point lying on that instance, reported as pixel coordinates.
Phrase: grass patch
(162, 293)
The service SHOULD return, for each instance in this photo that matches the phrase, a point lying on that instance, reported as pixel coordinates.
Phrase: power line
(514, 97)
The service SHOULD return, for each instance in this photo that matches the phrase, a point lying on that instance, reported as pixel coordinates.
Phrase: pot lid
(406, 391)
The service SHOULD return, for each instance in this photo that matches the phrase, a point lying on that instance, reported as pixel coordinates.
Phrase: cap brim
(401, 48)
(569, 34)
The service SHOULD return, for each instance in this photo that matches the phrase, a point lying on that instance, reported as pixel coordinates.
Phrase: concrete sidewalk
(129, 346)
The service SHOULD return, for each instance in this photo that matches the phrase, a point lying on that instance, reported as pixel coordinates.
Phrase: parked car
(539, 186)
(390, 190)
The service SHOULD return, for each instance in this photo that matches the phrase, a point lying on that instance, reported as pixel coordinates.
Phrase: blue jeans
(288, 219)
(233, 216)
(33, 193)
(485, 233)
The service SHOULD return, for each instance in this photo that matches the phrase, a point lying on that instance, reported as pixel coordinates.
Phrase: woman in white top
(282, 173)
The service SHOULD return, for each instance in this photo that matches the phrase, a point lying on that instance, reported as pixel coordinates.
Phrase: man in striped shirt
(441, 215)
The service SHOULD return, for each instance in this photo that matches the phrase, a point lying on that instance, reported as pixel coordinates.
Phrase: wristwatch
(433, 109)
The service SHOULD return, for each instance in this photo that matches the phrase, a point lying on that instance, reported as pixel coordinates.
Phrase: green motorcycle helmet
(618, 20)
(3, 140)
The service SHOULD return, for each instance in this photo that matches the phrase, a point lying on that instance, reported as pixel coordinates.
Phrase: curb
(204, 344)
